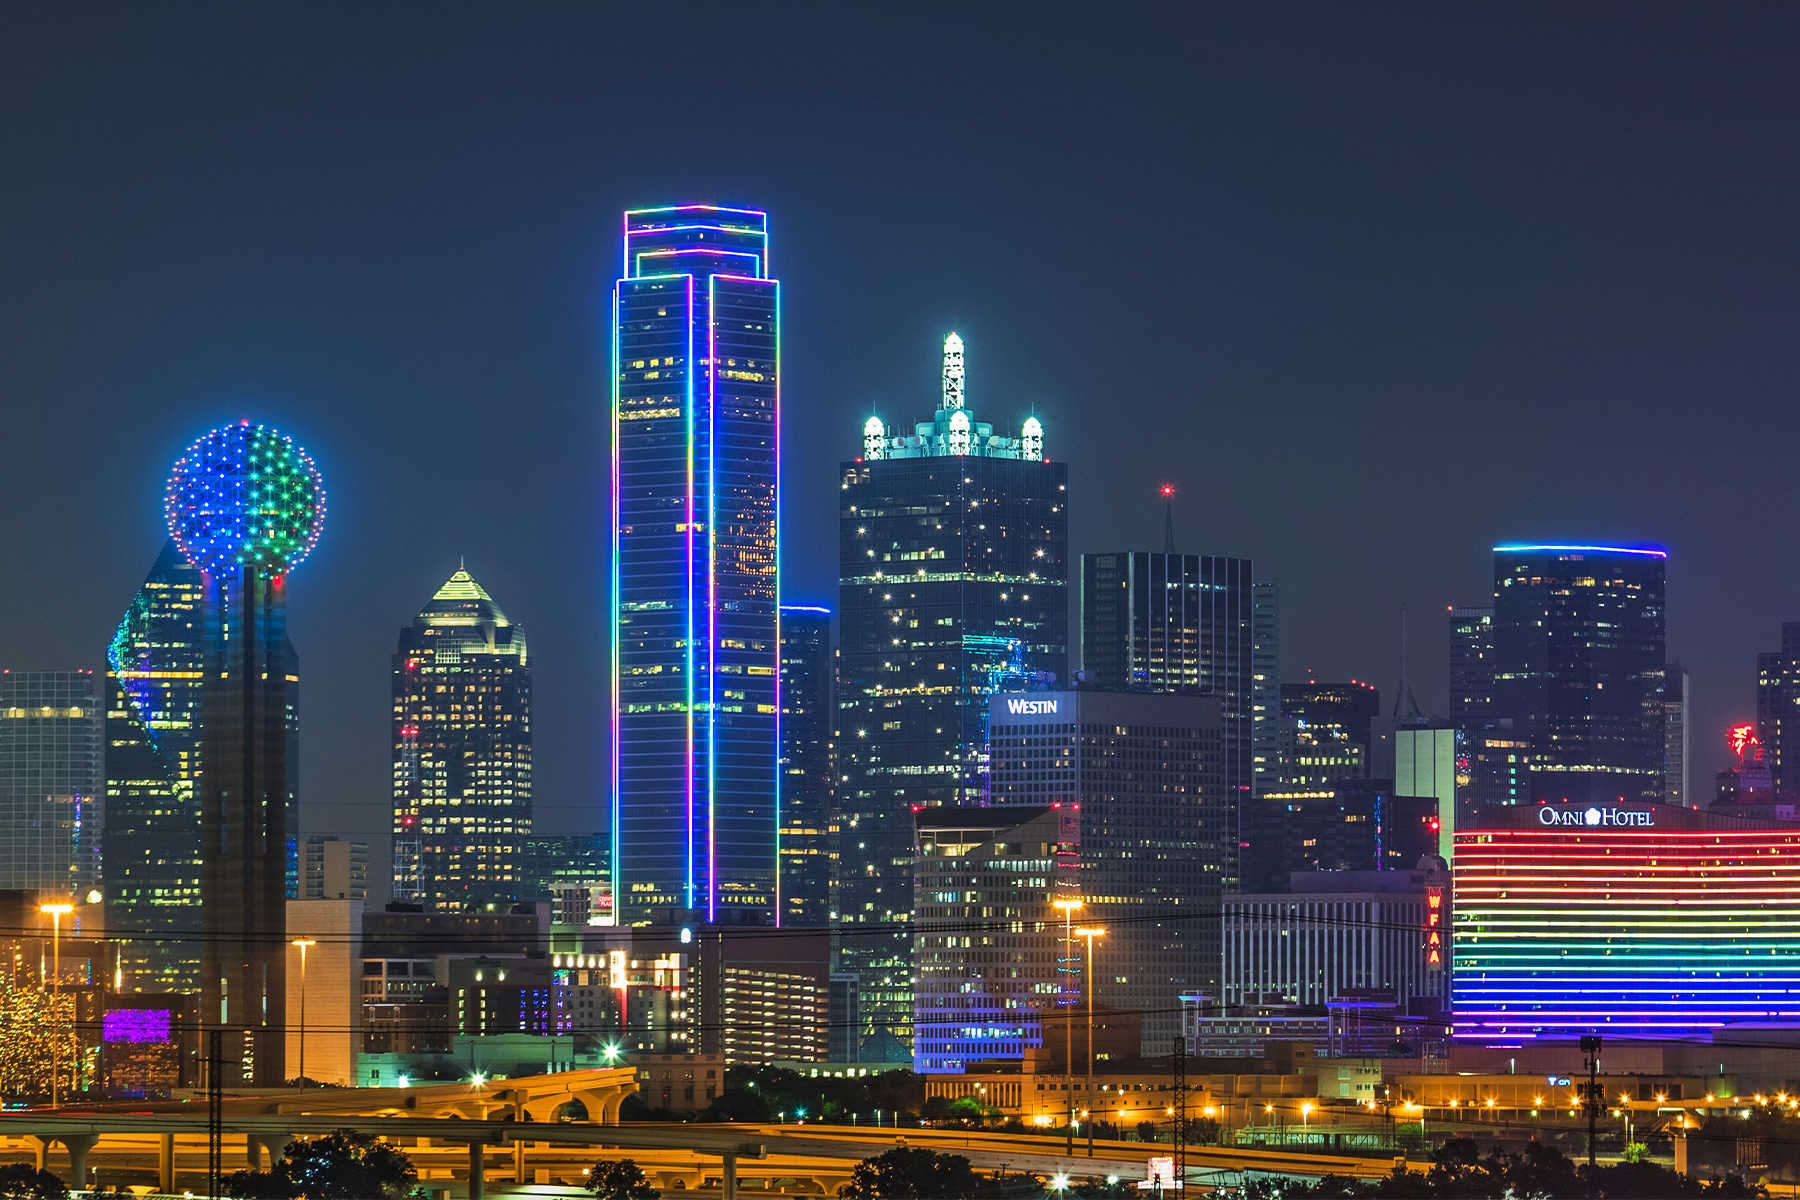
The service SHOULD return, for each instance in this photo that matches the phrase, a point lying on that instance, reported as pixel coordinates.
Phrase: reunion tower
(245, 505)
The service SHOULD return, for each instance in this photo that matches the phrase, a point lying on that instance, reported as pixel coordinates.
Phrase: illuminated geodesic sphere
(245, 495)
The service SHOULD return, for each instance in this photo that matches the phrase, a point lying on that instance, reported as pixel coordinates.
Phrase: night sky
(1375, 286)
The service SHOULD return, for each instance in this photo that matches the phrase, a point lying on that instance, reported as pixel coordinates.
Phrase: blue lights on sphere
(245, 495)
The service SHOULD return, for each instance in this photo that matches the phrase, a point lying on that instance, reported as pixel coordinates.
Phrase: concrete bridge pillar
(79, 1144)
(729, 1188)
(475, 1180)
(165, 1163)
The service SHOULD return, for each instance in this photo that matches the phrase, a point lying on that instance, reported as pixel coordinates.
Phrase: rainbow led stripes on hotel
(1593, 926)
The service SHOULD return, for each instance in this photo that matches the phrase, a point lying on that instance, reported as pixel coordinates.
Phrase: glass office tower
(952, 553)
(696, 647)
(155, 678)
(1182, 622)
(1578, 668)
(806, 722)
(50, 781)
(462, 753)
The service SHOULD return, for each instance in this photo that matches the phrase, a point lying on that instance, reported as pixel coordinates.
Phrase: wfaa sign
(1596, 817)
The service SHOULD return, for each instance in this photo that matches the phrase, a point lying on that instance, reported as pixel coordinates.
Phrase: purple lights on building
(138, 1025)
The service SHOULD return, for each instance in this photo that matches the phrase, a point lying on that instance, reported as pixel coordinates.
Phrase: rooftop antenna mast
(1404, 694)
(1168, 494)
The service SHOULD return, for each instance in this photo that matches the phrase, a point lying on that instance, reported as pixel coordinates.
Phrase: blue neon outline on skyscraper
(1650, 551)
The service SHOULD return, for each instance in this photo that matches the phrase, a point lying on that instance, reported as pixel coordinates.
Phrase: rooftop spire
(953, 372)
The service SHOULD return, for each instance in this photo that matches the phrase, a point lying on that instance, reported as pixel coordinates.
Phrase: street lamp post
(1090, 935)
(1069, 908)
(56, 912)
(303, 943)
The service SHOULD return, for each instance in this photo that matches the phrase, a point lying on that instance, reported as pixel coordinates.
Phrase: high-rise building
(462, 752)
(1266, 725)
(696, 653)
(1146, 772)
(1636, 920)
(1425, 765)
(1317, 756)
(1345, 708)
(1578, 658)
(1493, 767)
(1675, 735)
(991, 965)
(952, 553)
(333, 868)
(151, 864)
(1169, 622)
(245, 505)
(1778, 707)
(50, 781)
(1333, 934)
(806, 722)
(1355, 825)
(1471, 666)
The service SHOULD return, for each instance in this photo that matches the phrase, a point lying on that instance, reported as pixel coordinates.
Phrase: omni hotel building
(1626, 919)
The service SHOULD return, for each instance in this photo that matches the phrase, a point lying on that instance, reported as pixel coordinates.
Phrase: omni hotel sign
(1595, 817)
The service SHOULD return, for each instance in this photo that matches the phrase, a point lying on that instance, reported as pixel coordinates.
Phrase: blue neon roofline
(805, 608)
(1649, 550)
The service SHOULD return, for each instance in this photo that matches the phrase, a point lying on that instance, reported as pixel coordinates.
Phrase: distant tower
(245, 505)
(50, 782)
(156, 671)
(695, 478)
(806, 722)
(462, 753)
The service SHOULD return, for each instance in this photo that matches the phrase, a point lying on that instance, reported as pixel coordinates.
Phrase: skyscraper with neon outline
(1578, 667)
(695, 594)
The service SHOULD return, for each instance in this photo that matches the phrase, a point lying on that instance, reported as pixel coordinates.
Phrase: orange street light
(303, 943)
(57, 912)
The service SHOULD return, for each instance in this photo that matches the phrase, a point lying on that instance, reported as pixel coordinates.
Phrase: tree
(348, 1165)
(736, 1104)
(258, 1185)
(905, 1173)
(22, 1181)
(620, 1179)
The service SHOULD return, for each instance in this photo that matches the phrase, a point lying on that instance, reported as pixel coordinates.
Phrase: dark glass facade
(50, 781)
(1347, 708)
(1471, 667)
(1168, 622)
(806, 723)
(694, 591)
(952, 547)
(462, 753)
(1578, 658)
(156, 662)
(1146, 776)
(1355, 825)
(1778, 708)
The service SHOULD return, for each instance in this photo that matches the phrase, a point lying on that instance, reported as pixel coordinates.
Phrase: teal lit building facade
(155, 680)
(953, 579)
(694, 591)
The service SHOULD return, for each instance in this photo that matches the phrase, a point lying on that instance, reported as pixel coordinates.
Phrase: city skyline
(1407, 343)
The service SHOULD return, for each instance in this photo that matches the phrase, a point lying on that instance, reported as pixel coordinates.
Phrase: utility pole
(215, 1110)
(1179, 1060)
(1590, 1046)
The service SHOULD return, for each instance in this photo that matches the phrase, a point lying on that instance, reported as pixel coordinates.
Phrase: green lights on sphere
(245, 495)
